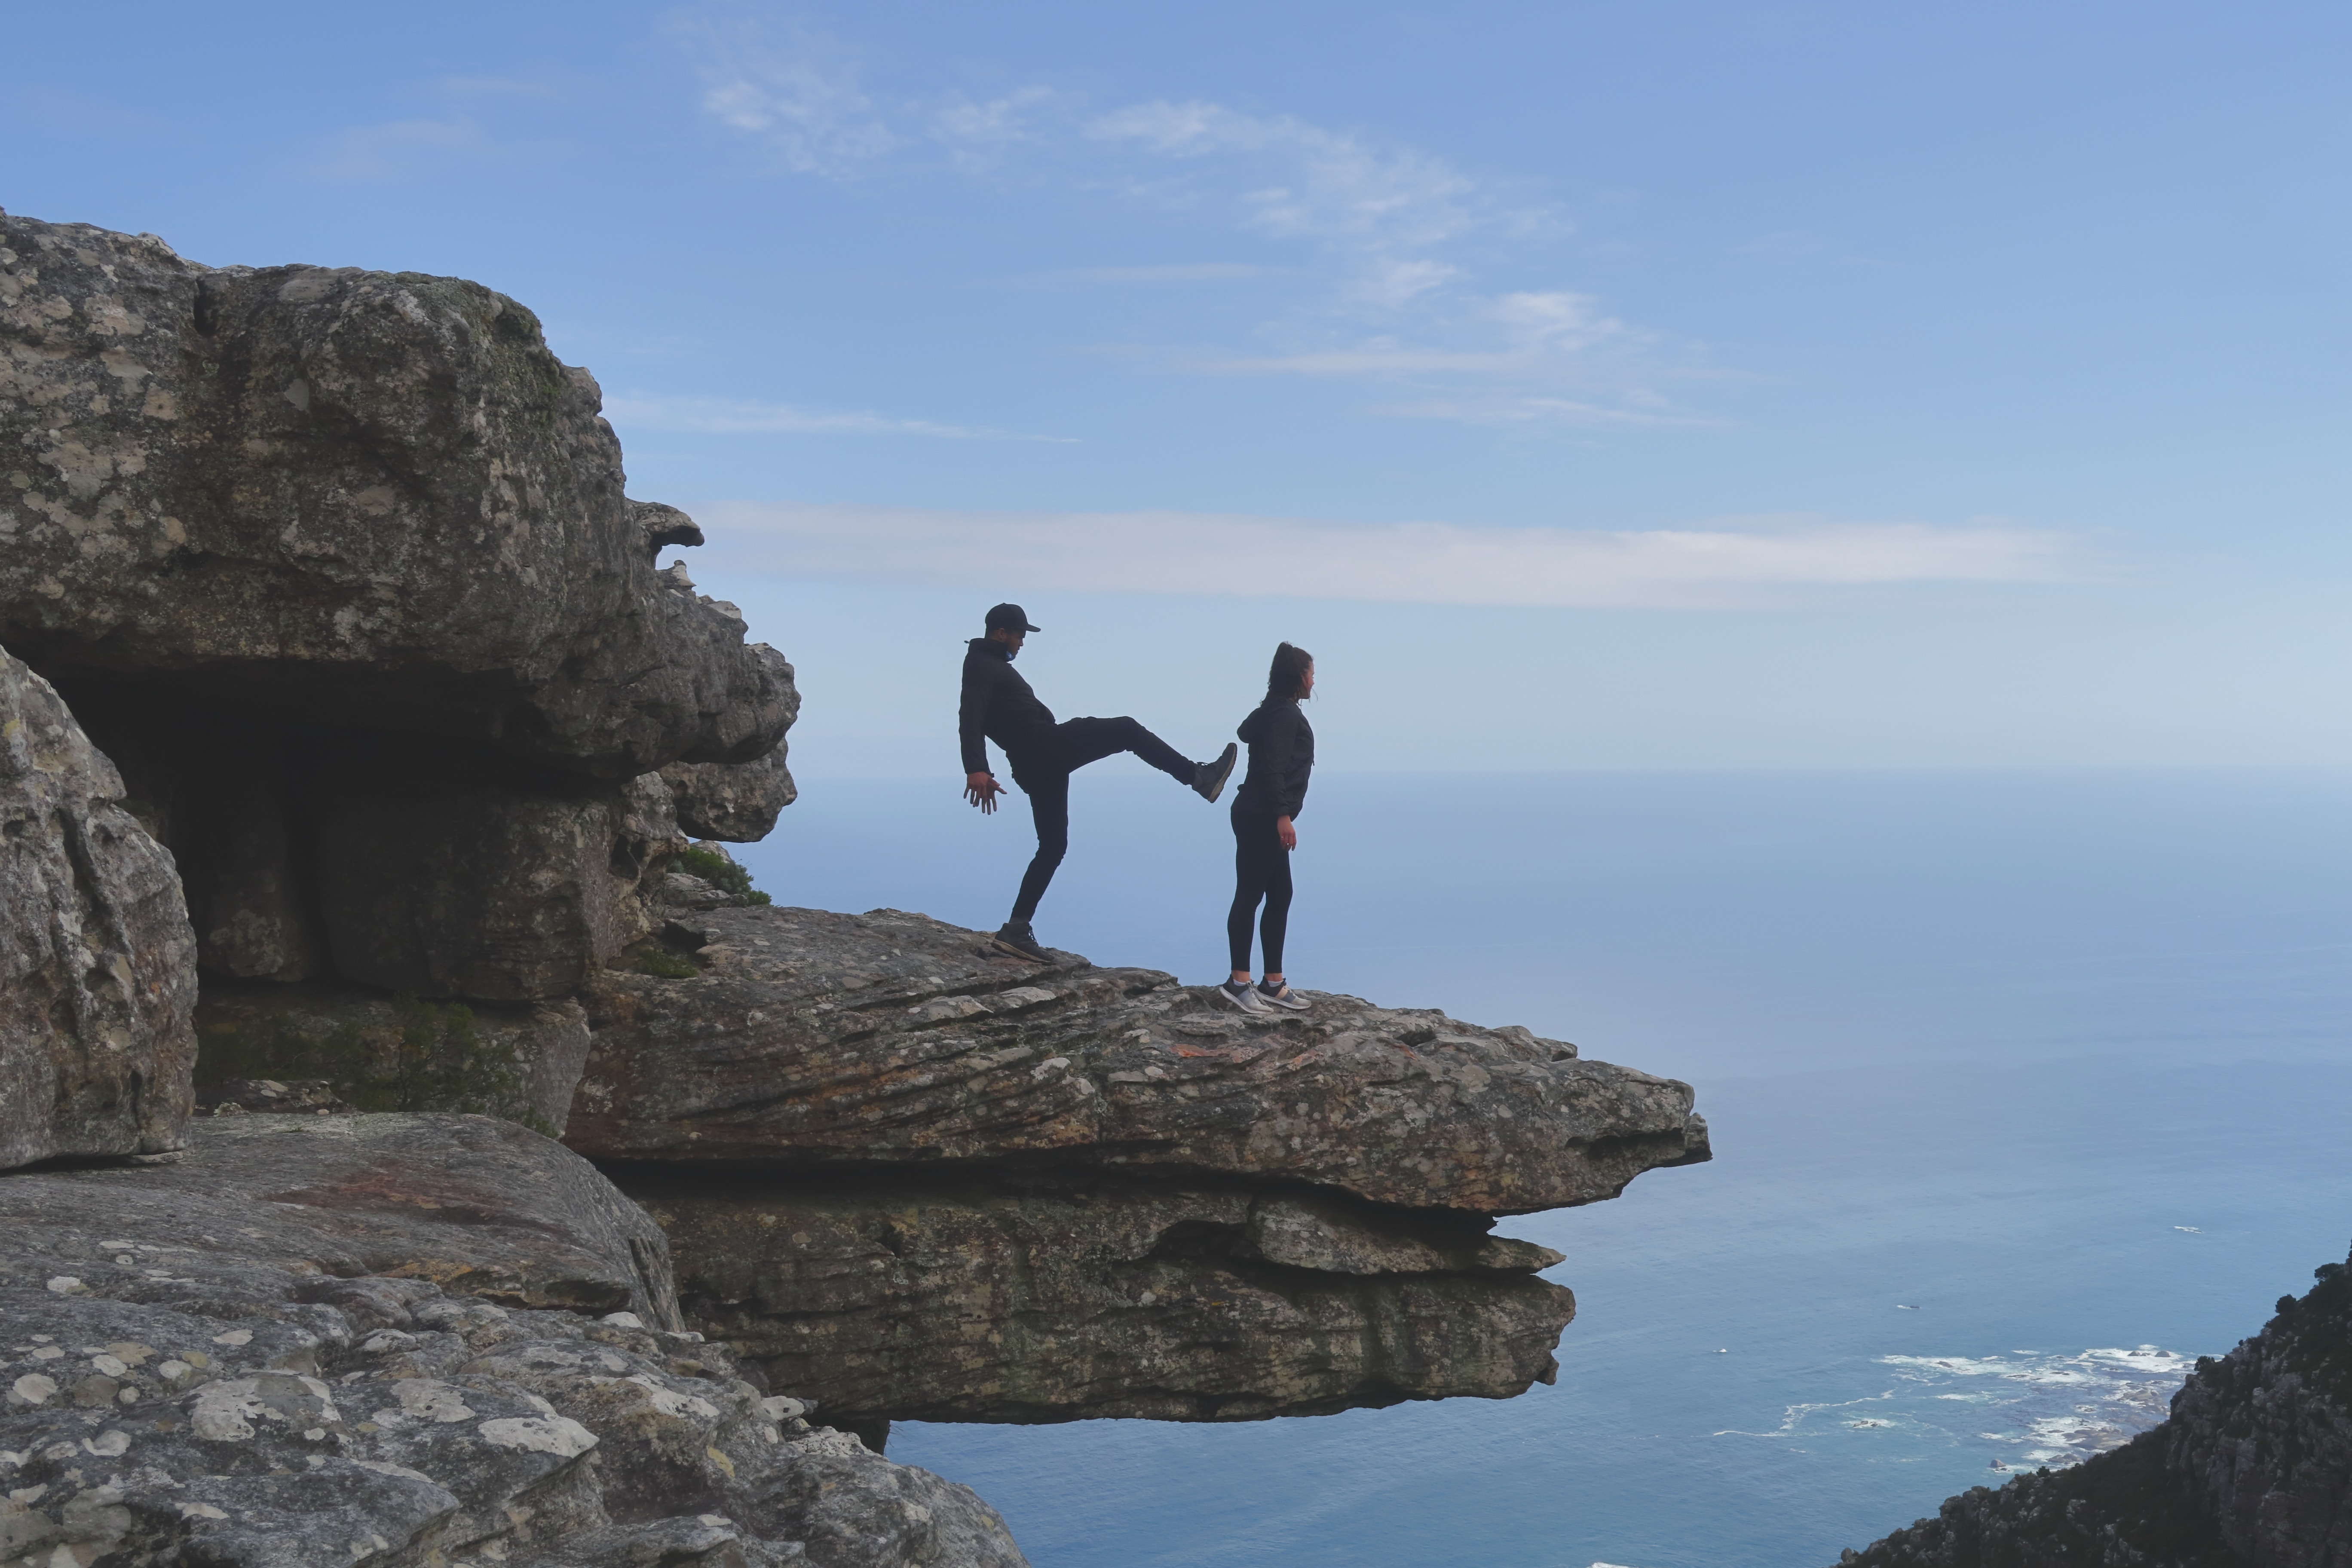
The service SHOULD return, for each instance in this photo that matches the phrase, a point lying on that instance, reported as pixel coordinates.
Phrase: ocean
(2027, 1088)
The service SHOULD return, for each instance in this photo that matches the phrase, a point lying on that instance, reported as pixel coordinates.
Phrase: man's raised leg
(1081, 740)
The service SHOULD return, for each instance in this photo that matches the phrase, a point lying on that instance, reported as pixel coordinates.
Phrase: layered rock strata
(921, 1179)
(890, 1039)
(97, 976)
(2252, 1469)
(965, 1300)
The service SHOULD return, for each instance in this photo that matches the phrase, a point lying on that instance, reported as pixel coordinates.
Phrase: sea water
(2026, 1089)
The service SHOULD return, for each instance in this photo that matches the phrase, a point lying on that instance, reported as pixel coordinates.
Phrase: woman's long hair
(1288, 676)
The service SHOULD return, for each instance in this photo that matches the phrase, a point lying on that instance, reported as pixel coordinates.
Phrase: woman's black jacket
(1281, 754)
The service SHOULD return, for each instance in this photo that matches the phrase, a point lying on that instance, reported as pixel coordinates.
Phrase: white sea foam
(2058, 1410)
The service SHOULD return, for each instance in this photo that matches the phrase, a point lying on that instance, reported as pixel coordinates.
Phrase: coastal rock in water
(519, 1060)
(326, 494)
(97, 972)
(263, 1210)
(814, 1037)
(2252, 1470)
(384, 1423)
(1186, 1301)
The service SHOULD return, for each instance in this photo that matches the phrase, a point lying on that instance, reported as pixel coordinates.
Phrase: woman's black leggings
(1261, 871)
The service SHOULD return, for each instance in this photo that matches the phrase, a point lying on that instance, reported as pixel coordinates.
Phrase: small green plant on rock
(722, 873)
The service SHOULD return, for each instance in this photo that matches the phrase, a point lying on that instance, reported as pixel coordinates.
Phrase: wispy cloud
(1171, 272)
(1392, 237)
(393, 148)
(798, 95)
(725, 416)
(1720, 563)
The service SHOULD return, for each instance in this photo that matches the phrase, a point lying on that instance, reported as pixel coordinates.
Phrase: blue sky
(1678, 385)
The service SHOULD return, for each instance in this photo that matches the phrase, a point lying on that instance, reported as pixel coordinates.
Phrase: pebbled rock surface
(962, 1300)
(312, 492)
(384, 1424)
(98, 975)
(2252, 1470)
(894, 1039)
(265, 1210)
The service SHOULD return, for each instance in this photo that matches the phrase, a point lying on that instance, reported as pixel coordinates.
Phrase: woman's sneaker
(1270, 995)
(1243, 996)
(1208, 778)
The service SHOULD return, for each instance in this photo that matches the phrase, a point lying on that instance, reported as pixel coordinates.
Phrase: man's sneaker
(1243, 996)
(1282, 996)
(1018, 939)
(1209, 778)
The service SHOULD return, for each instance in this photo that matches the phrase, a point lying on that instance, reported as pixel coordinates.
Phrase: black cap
(1011, 617)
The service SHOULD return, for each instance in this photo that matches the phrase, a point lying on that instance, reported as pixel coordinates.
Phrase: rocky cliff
(2252, 1470)
(352, 745)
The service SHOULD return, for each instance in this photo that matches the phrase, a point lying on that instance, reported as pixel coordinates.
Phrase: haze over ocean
(2003, 1069)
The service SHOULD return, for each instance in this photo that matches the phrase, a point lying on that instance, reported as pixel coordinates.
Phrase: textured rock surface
(97, 957)
(739, 802)
(2252, 1470)
(893, 1038)
(318, 493)
(517, 1060)
(489, 894)
(957, 1301)
(388, 1425)
(265, 1210)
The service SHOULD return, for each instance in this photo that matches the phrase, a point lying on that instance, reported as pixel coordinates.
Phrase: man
(999, 706)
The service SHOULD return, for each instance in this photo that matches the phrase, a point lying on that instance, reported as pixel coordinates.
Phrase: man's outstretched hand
(982, 790)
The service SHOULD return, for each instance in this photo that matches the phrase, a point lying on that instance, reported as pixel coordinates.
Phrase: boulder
(738, 803)
(815, 1039)
(328, 494)
(98, 975)
(261, 1210)
(392, 1425)
(971, 1299)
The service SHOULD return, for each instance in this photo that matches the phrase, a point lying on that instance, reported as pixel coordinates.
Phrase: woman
(1281, 755)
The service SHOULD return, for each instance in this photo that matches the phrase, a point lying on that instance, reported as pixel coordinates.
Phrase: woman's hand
(982, 790)
(1288, 834)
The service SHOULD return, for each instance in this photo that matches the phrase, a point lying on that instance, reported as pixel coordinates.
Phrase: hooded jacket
(998, 704)
(1281, 754)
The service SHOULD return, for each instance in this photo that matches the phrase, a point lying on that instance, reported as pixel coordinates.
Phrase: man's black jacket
(998, 703)
(1281, 754)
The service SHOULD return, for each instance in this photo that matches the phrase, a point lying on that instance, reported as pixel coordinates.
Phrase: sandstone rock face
(2253, 1470)
(314, 492)
(262, 1211)
(487, 893)
(893, 1038)
(968, 1300)
(384, 1424)
(96, 958)
(738, 803)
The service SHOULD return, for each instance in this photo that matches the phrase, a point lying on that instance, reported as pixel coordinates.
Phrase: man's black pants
(1044, 775)
(1261, 871)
